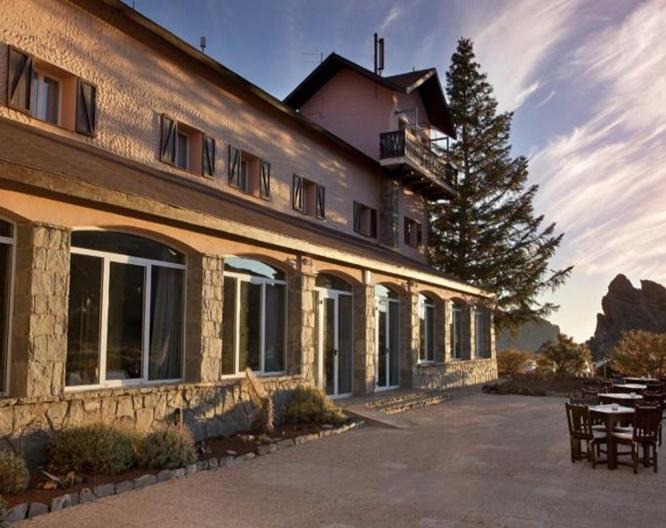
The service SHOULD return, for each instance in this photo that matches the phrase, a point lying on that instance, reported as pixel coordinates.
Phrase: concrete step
(415, 403)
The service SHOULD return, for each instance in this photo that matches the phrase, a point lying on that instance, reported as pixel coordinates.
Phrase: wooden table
(642, 381)
(621, 398)
(630, 387)
(611, 415)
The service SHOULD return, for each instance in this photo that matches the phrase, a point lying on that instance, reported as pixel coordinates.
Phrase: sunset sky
(586, 79)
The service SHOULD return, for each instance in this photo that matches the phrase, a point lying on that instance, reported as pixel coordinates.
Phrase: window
(459, 329)
(482, 332)
(249, 173)
(186, 148)
(365, 220)
(308, 197)
(254, 317)
(126, 311)
(45, 98)
(412, 232)
(6, 265)
(427, 329)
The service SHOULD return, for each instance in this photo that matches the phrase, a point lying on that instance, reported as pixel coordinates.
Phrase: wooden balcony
(423, 168)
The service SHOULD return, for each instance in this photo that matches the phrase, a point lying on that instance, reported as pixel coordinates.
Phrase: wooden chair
(646, 422)
(589, 391)
(656, 399)
(581, 430)
(617, 380)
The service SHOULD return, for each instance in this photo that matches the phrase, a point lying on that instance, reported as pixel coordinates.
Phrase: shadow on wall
(455, 375)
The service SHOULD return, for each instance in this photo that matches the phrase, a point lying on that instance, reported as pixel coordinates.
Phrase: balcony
(423, 168)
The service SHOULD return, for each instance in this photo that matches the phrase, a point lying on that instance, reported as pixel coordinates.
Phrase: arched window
(6, 265)
(427, 329)
(126, 310)
(459, 329)
(254, 317)
(387, 322)
(331, 282)
(482, 332)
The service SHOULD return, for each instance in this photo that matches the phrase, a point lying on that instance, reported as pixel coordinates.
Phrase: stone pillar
(301, 316)
(365, 328)
(203, 357)
(448, 336)
(440, 330)
(493, 352)
(473, 352)
(41, 293)
(389, 207)
(410, 335)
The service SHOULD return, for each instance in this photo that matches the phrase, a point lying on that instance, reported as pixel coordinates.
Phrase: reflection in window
(254, 317)
(6, 246)
(459, 329)
(45, 98)
(427, 329)
(482, 332)
(119, 291)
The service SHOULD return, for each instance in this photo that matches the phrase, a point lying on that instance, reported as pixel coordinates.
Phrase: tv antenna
(379, 54)
(202, 44)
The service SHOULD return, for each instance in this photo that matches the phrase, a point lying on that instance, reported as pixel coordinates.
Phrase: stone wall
(364, 339)
(454, 374)
(207, 409)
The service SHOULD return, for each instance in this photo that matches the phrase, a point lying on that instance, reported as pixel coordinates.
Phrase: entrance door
(334, 342)
(388, 362)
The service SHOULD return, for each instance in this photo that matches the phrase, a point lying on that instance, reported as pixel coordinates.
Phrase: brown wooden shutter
(357, 217)
(19, 80)
(208, 157)
(265, 183)
(168, 140)
(86, 108)
(234, 166)
(373, 223)
(321, 201)
(297, 193)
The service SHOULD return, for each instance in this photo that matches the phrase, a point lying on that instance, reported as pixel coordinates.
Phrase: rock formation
(628, 308)
(529, 337)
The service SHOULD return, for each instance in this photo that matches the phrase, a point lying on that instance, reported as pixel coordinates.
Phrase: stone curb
(23, 511)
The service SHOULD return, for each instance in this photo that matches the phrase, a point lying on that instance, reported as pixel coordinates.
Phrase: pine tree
(490, 236)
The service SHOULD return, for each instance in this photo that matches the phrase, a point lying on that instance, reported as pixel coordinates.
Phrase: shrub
(564, 357)
(169, 448)
(640, 353)
(3, 514)
(512, 361)
(310, 405)
(14, 474)
(99, 448)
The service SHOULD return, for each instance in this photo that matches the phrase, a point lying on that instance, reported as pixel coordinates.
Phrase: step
(403, 406)
(374, 404)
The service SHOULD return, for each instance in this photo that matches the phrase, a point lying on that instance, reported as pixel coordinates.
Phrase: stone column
(473, 352)
(410, 335)
(41, 294)
(491, 318)
(440, 330)
(203, 357)
(389, 228)
(365, 328)
(301, 321)
(448, 337)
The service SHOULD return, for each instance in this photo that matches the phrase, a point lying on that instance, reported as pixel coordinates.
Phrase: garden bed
(532, 385)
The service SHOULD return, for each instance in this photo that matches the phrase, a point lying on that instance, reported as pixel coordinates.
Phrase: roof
(425, 81)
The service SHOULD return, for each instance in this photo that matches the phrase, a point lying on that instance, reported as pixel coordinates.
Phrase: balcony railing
(402, 144)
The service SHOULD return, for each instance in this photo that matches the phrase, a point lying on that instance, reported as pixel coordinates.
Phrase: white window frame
(456, 329)
(11, 242)
(387, 300)
(426, 304)
(263, 281)
(147, 264)
(34, 112)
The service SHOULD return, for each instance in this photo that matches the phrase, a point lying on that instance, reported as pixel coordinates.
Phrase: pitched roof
(425, 81)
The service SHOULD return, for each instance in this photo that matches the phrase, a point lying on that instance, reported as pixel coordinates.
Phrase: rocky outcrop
(529, 337)
(628, 308)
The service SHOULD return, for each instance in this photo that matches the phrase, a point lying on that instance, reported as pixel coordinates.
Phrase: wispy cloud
(546, 99)
(392, 15)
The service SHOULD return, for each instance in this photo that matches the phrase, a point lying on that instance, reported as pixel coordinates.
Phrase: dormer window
(45, 98)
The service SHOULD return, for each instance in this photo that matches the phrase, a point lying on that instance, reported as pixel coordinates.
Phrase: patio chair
(656, 399)
(617, 380)
(589, 391)
(581, 430)
(644, 434)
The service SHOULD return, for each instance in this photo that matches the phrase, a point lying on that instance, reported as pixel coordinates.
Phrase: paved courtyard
(476, 461)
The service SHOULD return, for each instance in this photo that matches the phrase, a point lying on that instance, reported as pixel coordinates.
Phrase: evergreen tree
(490, 236)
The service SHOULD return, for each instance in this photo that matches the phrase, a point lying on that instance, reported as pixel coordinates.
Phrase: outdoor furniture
(617, 380)
(639, 379)
(589, 392)
(585, 400)
(621, 398)
(612, 415)
(646, 423)
(629, 387)
(579, 421)
(657, 399)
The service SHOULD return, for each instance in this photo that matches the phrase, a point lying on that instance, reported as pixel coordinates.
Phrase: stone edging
(26, 510)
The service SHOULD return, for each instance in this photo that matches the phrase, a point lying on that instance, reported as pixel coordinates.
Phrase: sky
(586, 80)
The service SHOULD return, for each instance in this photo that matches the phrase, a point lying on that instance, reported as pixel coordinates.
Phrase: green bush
(169, 448)
(99, 448)
(14, 474)
(310, 406)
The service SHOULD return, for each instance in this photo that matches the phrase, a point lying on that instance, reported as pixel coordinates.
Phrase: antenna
(202, 44)
(379, 54)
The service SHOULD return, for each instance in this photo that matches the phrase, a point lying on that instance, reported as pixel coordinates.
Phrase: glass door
(334, 342)
(388, 338)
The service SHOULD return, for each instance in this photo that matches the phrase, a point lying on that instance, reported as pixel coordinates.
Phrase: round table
(621, 398)
(629, 387)
(643, 381)
(612, 415)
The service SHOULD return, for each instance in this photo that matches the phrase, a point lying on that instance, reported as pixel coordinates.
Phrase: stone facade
(207, 409)
(455, 374)
(364, 339)
(301, 316)
(41, 289)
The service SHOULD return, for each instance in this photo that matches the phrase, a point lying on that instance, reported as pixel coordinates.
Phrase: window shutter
(297, 193)
(86, 108)
(168, 140)
(419, 234)
(19, 80)
(234, 166)
(357, 217)
(208, 156)
(321, 201)
(407, 230)
(265, 184)
(373, 223)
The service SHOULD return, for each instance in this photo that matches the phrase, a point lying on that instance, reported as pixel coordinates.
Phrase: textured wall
(455, 374)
